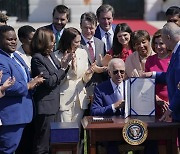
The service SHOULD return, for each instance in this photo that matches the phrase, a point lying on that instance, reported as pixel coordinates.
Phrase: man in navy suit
(171, 37)
(105, 29)
(16, 108)
(60, 18)
(109, 95)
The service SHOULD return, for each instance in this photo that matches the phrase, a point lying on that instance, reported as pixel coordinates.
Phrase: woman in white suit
(73, 99)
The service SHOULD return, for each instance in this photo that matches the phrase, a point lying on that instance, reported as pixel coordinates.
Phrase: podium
(64, 137)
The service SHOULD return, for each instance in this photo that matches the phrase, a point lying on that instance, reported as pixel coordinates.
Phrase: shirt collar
(55, 31)
(110, 31)
(175, 48)
(115, 85)
(86, 40)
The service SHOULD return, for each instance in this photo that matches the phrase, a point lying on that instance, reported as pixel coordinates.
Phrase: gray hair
(113, 61)
(172, 30)
(105, 8)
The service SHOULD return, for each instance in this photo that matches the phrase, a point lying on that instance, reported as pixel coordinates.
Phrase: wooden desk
(113, 131)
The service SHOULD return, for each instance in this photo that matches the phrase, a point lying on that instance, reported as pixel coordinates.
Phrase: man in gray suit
(94, 47)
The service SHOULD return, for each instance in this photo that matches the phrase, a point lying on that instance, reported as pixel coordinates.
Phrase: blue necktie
(118, 94)
(108, 43)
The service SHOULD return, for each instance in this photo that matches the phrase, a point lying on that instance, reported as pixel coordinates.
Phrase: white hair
(172, 30)
(113, 61)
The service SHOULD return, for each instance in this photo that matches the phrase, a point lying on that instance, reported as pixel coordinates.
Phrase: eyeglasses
(117, 71)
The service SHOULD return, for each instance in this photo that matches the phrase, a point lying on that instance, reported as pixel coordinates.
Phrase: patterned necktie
(57, 39)
(108, 43)
(91, 51)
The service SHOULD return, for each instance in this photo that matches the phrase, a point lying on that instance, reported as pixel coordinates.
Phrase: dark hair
(104, 8)
(117, 47)
(89, 16)
(24, 31)
(67, 37)
(173, 10)
(4, 29)
(41, 41)
(61, 9)
(3, 18)
(138, 36)
(157, 34)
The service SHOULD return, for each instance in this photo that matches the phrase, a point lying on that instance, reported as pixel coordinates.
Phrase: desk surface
(112, 131)
(119, 122)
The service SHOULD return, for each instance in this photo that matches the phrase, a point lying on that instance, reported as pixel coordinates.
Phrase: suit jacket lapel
(98, 33)
(24, 65)
(49, 63)
(111, 91)
(83, 43)
(173, 58)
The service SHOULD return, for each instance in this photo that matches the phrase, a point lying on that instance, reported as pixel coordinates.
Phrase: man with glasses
(109, 95)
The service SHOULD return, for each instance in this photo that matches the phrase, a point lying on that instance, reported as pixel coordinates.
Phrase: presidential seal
(135, 132)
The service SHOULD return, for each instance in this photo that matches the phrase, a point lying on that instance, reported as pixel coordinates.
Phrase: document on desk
(140, 96)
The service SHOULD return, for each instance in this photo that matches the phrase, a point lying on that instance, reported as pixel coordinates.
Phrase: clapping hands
(35, 81)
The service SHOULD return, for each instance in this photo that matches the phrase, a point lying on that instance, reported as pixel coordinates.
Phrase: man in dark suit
(60, 17)
(92, 45)
(173, 15)
(109, 95)
(105, 29)
(16, 108)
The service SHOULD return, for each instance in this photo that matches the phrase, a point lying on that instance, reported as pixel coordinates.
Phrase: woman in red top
(121, 47)
(159, 62)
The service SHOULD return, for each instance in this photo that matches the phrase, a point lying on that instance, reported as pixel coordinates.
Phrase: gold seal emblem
(135, 132)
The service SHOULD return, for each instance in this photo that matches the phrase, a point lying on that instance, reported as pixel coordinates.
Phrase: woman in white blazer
(73, 98)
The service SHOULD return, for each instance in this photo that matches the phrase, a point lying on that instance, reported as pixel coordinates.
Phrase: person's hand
(167, 116)
(8, 83)
(164, 104)
(105, 60)
(98, 69)
(1, 74)
(35, 81)
(146, 74)
(67, 57)
(119, 104)
(74, 62)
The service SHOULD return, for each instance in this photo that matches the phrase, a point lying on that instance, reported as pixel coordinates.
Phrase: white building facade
(41, 10)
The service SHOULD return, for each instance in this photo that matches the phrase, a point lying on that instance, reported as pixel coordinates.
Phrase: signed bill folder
(140, 96)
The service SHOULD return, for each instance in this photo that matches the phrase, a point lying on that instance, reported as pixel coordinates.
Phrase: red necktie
(91, 51)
